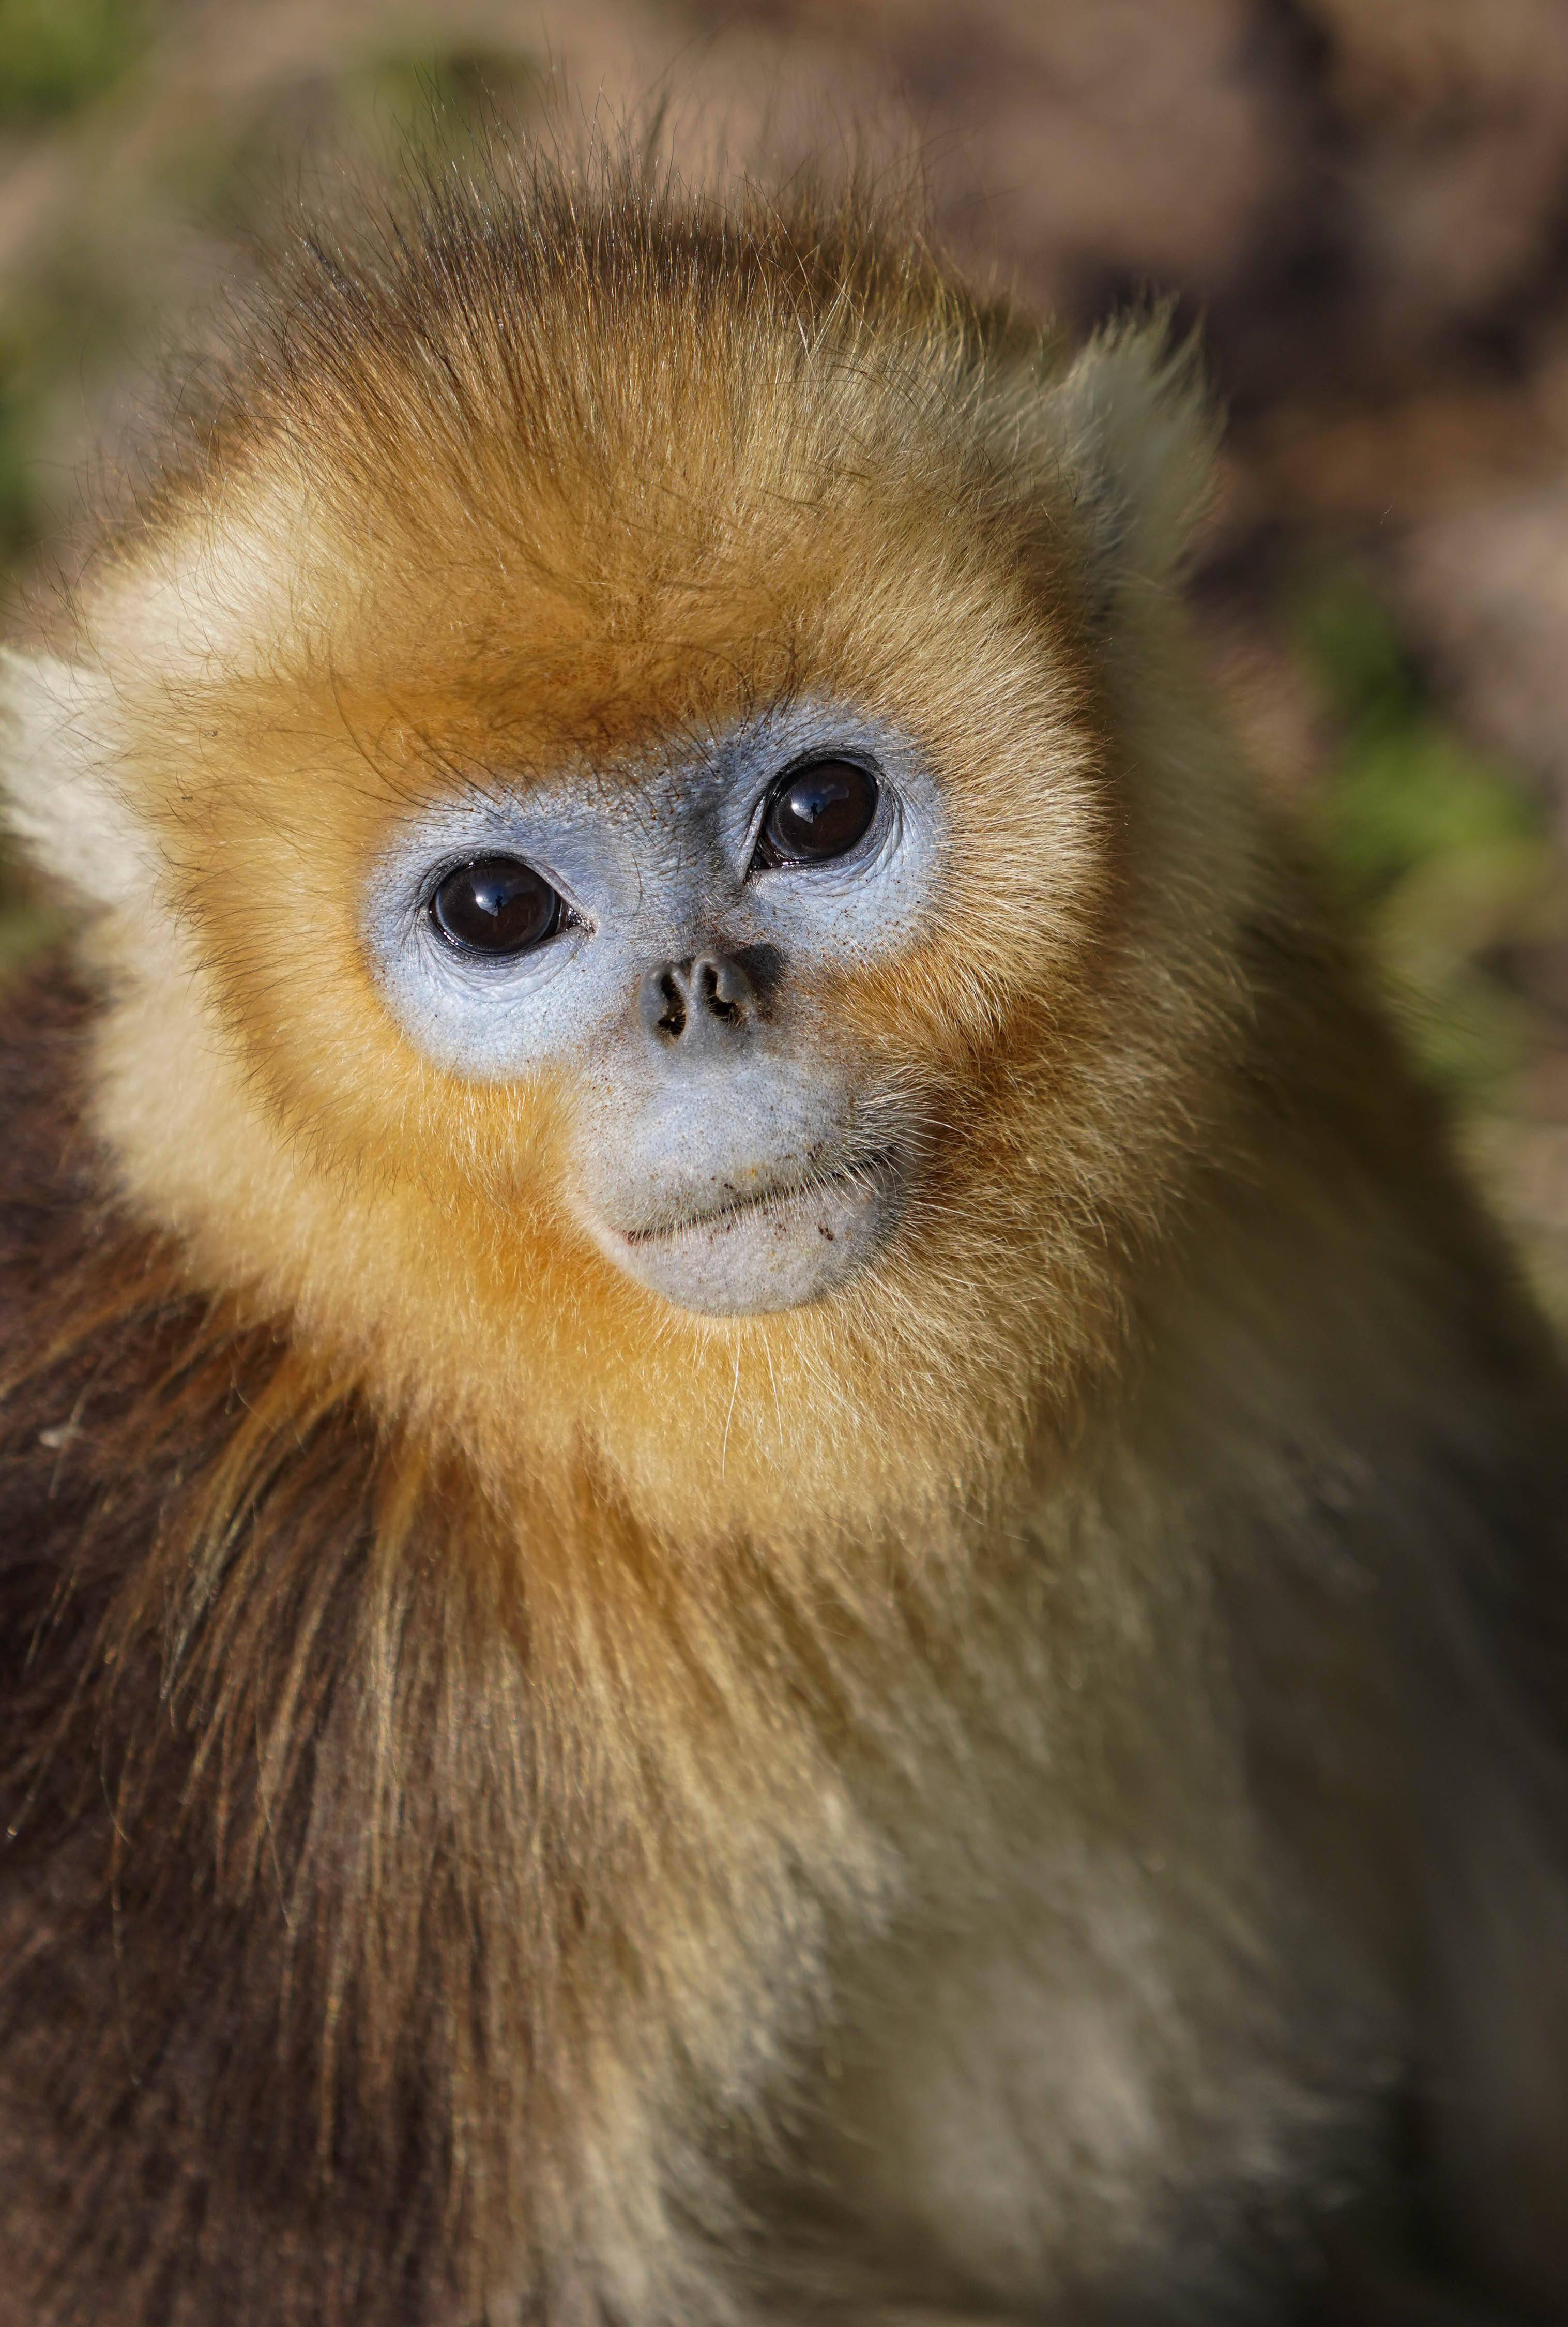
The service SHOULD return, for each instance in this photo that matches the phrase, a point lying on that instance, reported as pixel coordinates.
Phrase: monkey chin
(771, 1251)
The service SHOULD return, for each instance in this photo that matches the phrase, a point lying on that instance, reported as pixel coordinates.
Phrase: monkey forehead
(563, 575)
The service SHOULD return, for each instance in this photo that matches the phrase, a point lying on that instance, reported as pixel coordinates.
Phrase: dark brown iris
(496, 904)
(818, 813)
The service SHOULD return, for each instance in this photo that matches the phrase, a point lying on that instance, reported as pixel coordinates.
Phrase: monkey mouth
(772, 1247)
(866, 1172)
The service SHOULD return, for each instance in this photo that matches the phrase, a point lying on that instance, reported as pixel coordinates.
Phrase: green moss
(1440, 848)
(1407, 790)
(56, 54)
(26, 924)
(57, 328)
(19, 422)
(432, 100)
(387, 108)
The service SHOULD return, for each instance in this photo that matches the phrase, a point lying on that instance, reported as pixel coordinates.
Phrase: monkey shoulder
(138, 1988)
(59, 1244)
(45, 1019)
(122, 1384)
(86, 1311)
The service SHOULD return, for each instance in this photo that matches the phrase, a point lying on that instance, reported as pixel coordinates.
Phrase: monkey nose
(701, 1004)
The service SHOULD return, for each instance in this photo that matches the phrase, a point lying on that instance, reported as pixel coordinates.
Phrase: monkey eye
(816, 813)
(497, 905)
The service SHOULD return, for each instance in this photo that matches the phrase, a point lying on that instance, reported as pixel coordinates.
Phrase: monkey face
(618, 882)
(677, 942)
(638, 979)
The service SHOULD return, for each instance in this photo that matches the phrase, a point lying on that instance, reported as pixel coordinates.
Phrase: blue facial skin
(735, 1159)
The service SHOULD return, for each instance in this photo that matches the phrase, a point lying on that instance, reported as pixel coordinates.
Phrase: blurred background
(1364, 203)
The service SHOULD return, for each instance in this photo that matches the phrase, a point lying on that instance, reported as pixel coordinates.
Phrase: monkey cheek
(776, 1254)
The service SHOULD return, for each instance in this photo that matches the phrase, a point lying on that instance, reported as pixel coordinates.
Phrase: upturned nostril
(685, 998)
(664, 1004)
(717, 989)
(671, 1020)
(725, 990)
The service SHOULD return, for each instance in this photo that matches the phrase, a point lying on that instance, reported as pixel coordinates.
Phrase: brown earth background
(1363, 203)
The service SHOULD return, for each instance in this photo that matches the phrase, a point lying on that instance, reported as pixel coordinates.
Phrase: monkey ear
(57, 793)
(1135, 430)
